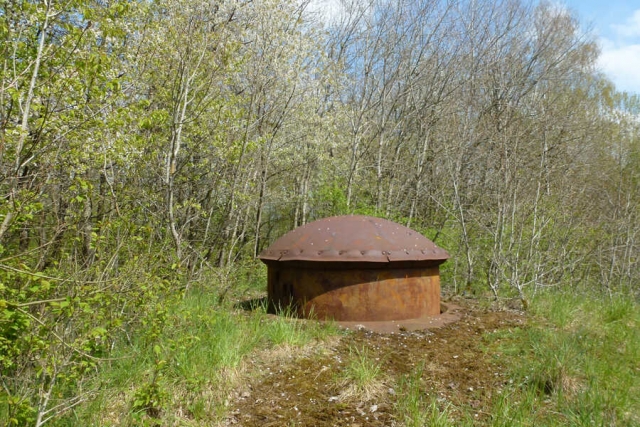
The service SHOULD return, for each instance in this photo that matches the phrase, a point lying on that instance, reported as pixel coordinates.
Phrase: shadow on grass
(252, 304)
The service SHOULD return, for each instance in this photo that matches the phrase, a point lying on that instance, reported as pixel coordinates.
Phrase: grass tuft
(362, 377)
(415, 407)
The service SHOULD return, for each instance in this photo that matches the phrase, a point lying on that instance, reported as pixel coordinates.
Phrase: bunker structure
(354, 268)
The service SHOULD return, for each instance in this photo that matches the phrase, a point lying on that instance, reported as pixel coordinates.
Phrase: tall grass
(578, 363)
(184, 375)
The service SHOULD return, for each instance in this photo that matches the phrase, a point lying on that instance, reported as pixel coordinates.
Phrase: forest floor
(366, 378)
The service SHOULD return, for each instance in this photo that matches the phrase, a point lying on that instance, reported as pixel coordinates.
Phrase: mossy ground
(456, 370)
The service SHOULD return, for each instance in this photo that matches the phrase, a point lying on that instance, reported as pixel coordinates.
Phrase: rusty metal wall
(373, 294)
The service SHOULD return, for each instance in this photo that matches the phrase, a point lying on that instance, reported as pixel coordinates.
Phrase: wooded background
(150, 146)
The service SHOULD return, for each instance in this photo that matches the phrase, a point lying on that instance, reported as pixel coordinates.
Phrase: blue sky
(616, 23)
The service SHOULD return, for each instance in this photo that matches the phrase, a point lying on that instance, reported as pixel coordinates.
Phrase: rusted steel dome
(353, 238)
(355, 268)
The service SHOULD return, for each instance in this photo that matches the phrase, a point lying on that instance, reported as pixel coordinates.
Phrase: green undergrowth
(576, 363)
(415, 407)
(184, 376)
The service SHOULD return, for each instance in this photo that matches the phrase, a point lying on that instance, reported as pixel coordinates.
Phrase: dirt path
(455, 367)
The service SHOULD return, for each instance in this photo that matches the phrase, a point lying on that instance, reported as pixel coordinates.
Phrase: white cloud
(620, 56)
(622, 64)
(327, 10)
(631, 28)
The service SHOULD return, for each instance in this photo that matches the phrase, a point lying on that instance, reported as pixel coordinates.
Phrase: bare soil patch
(457, 368)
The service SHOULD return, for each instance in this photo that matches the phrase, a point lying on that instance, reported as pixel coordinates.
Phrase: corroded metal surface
(355, 268)
(376, 294)
(353, 238)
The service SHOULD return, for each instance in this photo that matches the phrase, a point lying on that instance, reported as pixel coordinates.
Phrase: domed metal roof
(352, 238)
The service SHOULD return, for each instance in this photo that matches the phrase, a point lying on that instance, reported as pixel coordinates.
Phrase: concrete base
(451, 313)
